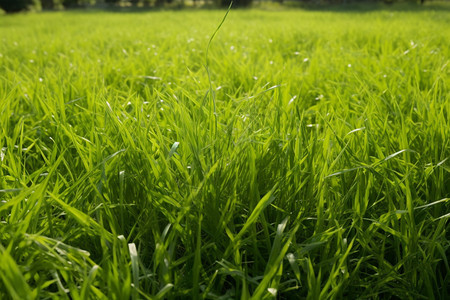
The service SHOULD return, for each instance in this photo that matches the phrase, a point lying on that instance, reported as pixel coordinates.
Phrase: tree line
(22, 5)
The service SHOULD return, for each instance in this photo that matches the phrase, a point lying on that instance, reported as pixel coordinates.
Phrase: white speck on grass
(349, 65)
(31, 61)
(190, 40)
(292, 100)
(40, 79)
(272, 291)
(232, 48)
(2, 154)
(320, 97)
(270, 41)
(305, 59)
(271, 62)
(132, 249)
(290, 257)
(296, 53)
(152, 77)
(355, 130)
(255, 78)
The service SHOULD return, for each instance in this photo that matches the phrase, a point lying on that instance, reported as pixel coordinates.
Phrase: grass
(321, 170)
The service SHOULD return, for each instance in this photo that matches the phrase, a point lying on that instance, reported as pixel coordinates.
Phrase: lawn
(306, 154)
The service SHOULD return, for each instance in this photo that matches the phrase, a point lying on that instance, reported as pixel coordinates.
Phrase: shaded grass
(326, 175)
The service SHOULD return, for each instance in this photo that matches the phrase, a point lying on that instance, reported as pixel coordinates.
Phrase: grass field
(314, 163)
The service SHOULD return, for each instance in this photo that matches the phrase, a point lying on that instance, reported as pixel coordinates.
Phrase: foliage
(236, 3)
(15, 5)
(70, 3)
(20, 5)
(77, 3)
(312, 161)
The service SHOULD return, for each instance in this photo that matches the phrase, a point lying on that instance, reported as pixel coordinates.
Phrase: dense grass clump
(314, 163)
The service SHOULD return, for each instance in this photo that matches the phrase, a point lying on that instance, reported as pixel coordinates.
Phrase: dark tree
(15, 5)
(47, 4)
(70, 3)
(236, 3)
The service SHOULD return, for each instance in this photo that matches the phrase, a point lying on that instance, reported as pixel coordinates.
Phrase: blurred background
(11, 6)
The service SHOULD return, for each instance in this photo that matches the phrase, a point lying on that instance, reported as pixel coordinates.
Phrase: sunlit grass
(321, 170)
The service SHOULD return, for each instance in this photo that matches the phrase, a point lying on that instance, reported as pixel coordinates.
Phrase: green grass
(317, 167)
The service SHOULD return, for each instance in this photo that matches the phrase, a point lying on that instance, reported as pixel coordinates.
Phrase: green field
(313, 162)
